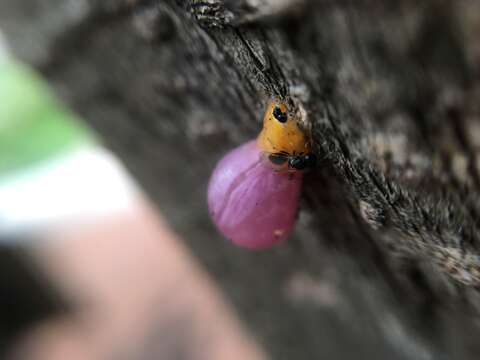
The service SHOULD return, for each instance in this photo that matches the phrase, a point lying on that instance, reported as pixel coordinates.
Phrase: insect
(283, 141)
(254, 191)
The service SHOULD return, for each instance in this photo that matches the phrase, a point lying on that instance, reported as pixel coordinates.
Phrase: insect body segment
(285, 145)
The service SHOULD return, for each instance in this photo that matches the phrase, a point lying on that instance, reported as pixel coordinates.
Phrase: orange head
(281, 133)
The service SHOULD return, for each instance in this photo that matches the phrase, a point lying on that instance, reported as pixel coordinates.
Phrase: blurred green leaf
(33, 124)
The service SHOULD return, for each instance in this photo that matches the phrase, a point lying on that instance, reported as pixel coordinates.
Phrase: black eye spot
(280, 115)
(297, 162)
(302, 162)
(277, 159)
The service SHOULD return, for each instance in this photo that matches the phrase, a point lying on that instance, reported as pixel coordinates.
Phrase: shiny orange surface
(282, 137)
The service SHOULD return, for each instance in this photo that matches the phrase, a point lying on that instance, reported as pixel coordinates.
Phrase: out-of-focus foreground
(89, 269)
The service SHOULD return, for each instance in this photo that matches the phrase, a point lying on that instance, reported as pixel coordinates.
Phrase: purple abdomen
(252, 205)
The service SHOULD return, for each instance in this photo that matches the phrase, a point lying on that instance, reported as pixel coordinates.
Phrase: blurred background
(384, 262)
(88, 268)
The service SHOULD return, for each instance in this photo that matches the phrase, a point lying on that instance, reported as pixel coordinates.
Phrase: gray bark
(385, 261)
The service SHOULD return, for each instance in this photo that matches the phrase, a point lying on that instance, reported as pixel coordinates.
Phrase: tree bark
(384, 262)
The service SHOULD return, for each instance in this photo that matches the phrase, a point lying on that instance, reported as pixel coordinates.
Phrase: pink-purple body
(251, 204)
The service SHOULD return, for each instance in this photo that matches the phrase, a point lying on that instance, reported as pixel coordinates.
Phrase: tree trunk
(384, 262)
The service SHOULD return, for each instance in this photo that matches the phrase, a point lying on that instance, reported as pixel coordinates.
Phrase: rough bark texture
(385, 259)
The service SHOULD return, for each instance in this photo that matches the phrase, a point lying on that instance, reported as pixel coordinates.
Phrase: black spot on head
(280, 115)
(277, 159)
(297, 162)
(302, 162)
